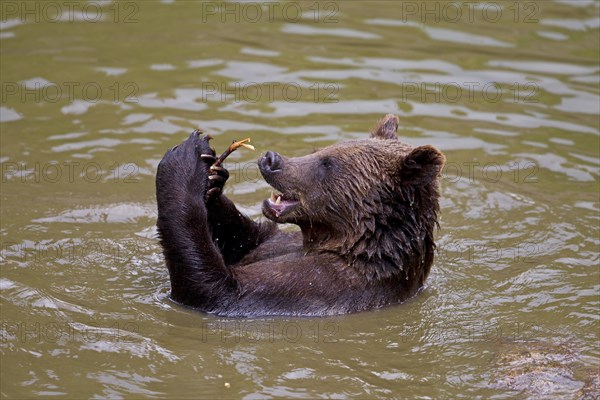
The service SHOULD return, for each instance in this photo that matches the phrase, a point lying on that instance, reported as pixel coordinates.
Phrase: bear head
(374, 201)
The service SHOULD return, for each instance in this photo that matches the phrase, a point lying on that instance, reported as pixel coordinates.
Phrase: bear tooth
(272, 195)
(278, 201)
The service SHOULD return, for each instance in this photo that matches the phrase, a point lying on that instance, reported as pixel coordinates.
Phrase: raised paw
(196, 153)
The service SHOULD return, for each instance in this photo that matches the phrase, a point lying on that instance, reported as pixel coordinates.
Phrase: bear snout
(270, 162)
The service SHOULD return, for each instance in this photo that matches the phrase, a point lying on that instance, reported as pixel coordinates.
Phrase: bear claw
(213, 191)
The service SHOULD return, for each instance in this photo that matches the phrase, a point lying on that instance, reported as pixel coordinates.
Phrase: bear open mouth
(279, 204)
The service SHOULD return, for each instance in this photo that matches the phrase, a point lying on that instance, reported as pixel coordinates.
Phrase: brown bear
(366, 208)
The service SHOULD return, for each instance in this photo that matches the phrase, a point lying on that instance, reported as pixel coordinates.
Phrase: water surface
(90, 103)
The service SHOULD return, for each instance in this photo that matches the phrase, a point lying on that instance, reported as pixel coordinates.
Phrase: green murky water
(93, 93)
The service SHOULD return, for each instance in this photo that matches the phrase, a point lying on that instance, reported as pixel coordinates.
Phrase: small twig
(232, 147)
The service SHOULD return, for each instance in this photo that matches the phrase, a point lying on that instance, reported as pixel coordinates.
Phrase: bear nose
(271, 162)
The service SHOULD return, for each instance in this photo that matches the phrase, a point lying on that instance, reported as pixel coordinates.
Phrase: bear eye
(327, 162)
(325, 167)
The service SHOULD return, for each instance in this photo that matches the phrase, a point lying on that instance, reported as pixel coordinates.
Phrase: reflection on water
(90, 105)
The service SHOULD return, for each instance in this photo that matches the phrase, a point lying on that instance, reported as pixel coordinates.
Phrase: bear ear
(386, 128)
(422, 165)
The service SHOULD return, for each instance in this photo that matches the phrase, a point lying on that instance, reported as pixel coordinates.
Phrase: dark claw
(174, 147)
(215, 178)
(219, 171)
(212, 193)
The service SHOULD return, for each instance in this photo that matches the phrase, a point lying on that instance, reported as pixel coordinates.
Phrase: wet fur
(367, 211)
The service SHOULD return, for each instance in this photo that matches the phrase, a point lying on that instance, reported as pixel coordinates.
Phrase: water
(509, 92)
